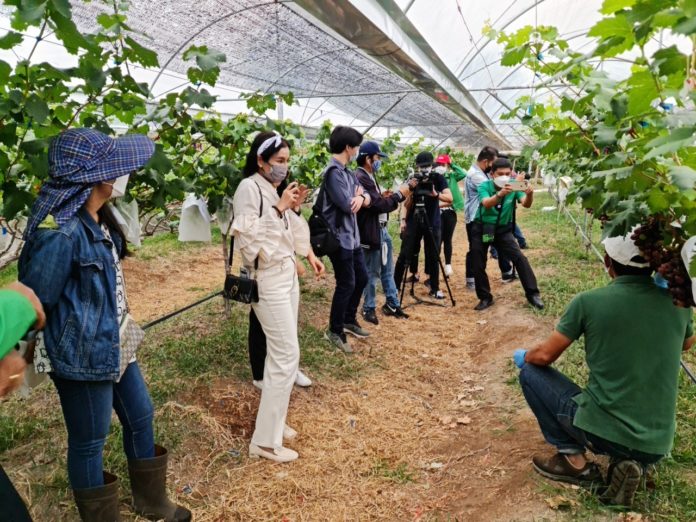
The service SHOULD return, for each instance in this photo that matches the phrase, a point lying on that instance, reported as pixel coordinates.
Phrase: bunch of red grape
(666, 260)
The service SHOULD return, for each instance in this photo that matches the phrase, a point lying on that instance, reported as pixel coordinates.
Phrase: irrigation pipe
(590, 244)
(181, 310)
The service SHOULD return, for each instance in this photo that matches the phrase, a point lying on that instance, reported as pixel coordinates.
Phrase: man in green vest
(494, 225)
(634, 338)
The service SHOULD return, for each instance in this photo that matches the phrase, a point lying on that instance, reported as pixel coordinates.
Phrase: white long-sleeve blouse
(270, 238)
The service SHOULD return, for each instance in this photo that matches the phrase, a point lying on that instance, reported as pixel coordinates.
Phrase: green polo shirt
(488, 189)
(16, 316)
(633, 344)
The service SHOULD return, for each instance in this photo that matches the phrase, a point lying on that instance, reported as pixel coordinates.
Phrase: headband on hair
(276, 140)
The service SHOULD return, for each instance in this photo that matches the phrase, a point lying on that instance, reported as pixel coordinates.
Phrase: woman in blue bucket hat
(73, 265)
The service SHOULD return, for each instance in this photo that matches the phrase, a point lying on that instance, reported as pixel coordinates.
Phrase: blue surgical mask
(376, 165)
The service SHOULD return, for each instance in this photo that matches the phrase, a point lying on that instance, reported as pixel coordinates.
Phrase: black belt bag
(242, 288)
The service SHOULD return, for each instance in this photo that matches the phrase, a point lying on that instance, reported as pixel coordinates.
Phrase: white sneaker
(281, 454)
(448, 270)
(258, 384)
(302, 380)
(289, 433)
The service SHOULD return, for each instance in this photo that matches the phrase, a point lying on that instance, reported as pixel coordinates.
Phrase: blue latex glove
(518, 357)
(661, 281)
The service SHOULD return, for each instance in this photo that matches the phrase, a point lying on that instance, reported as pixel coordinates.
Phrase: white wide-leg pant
(279, 296)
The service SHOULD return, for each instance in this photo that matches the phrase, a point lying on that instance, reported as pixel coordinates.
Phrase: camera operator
(431, 190)
(374, 236)
(493, 224)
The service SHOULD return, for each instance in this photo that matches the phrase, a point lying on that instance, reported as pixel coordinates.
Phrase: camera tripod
(421, 221)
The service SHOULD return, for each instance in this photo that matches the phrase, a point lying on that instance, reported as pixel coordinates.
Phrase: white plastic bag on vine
(126, 214)
(194, 224)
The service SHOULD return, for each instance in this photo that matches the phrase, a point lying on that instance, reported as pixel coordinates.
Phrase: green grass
(564, 268)
(164, 244)
(399, 473)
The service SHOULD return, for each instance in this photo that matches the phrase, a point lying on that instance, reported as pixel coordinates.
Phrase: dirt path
(432, 432)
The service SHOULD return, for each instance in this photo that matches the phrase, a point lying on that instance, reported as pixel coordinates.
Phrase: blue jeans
(377, 271)
(351, 277)
(550, 394)
(87, 407)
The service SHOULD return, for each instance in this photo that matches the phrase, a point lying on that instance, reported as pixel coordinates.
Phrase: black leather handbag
(321, 236)
(242, 288)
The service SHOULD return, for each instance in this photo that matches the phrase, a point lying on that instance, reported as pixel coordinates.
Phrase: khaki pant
(279, 296)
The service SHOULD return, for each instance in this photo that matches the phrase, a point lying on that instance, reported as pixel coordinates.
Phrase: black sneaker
(394, 311)
(509, 278)
(413, 278)
(535, 301)
(483, 304)
(370, 316)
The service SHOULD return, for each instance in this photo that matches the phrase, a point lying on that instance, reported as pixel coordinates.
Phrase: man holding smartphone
(493, 225)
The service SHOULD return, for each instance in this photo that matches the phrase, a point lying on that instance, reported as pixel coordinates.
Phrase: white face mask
(501, 181)
(119, 187)
(440, 169)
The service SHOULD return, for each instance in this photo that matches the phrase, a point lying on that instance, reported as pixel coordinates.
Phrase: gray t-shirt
(474, 178)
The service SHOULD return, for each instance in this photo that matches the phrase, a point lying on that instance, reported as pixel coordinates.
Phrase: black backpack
(322, 236)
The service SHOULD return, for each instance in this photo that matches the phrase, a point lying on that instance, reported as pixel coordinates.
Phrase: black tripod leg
(431, 238)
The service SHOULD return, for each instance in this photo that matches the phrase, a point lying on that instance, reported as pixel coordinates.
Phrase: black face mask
(488, 169)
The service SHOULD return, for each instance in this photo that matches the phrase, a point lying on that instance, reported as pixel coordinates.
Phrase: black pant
(507, 247)
(448, 224)
(415, 232)
(12, 508)
(351, 278)
(257, 346)
(503, 263)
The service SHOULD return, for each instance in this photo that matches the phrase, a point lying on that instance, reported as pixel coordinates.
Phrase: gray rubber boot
(99, 504)
(149, 484)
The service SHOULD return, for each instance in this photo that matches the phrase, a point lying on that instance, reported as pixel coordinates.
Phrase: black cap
(424, 159)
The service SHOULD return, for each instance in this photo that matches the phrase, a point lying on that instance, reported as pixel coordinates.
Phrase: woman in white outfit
(268, 245)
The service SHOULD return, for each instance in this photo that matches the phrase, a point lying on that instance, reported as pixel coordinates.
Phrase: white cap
(688, 252)
(623, 250)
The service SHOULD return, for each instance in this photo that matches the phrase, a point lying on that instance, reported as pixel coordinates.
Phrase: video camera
(425, 182)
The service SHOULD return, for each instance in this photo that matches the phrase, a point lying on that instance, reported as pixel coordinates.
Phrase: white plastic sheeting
(194, 224)
(126, 214)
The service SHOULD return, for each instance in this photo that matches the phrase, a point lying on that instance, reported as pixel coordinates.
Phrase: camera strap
(256, 261)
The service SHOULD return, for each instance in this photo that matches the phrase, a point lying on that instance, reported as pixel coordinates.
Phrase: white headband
(276, 140)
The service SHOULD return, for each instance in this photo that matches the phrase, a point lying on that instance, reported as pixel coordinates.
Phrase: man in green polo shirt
(494, 225)
(634, 339)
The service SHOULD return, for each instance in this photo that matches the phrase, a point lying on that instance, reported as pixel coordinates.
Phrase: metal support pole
(397, 102)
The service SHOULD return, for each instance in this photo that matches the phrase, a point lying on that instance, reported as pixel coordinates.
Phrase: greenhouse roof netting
(421, 67)
(357, 70)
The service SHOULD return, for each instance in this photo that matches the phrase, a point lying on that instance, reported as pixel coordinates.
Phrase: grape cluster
(665, 259)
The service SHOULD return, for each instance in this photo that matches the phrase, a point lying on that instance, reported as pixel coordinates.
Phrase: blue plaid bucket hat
(78, 159)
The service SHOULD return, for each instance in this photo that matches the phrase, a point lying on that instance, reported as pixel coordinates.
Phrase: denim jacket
(72, 271)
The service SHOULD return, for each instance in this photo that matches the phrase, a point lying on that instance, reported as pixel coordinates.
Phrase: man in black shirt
(416, 231)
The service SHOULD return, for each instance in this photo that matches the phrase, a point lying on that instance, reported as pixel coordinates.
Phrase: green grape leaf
(62, 7)
(677, 139)
(206, 59)
(142, 55)
(612, 6)
(669, 60)
(37, 109)
(10, 40)
(688, 26)
(683, 177)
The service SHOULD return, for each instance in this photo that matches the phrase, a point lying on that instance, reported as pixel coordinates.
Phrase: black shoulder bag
(242, 288)
(321, 236)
